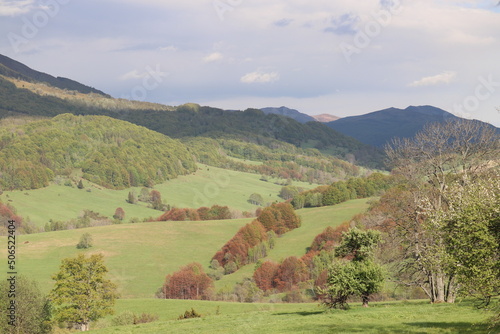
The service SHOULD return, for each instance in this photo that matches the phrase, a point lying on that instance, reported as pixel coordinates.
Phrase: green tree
(131, 198)
(33, 309)
(256, 199)
(82, 292)
(471, 229)
(361, 276)
(359, 244)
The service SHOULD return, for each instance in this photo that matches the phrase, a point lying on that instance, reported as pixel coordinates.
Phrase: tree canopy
(82, 292)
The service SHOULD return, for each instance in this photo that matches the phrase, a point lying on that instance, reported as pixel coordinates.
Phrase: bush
(129, 318)
(85, 241)
(189, 315)
(145, 318)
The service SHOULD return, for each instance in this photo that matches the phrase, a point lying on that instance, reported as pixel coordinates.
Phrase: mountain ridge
(379, 127)
(12, 68)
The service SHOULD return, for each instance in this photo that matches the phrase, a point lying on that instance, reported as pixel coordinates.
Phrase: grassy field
(137, 255)
(208, 186)
(294, 243)
(416, 317)
(140, 255)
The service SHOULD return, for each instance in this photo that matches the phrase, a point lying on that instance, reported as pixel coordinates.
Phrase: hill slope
(140, 255)
(110, 152)
(11, 68)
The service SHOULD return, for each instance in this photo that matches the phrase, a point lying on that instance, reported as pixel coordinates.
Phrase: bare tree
(439, 154)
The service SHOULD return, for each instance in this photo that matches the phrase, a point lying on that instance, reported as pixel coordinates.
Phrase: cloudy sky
(341, 57)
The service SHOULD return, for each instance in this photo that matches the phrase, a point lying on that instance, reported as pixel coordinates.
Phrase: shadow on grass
(302, 313)
(456, 327)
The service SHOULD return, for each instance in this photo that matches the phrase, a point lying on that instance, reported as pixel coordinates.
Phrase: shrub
(189, 315)
(85, 242)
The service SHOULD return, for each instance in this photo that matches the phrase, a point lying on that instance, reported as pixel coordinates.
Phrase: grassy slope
(314, 221)
(395, 317)
(208, 186)
(137, 255)
(140, 255)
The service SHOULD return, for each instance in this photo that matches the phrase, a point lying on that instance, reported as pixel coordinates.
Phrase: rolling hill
(140, 255)
(110, 152)
(26, 92)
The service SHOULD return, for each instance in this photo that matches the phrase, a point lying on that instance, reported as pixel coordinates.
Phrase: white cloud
(169, 48)
(133, 75)
(216, 56)
(260, 77)
(443, 78)
(15, 7)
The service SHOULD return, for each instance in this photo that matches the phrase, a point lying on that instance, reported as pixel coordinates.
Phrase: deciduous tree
(82, 291)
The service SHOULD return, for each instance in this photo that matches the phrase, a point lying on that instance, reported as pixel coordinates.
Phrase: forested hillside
(111, 153)
(189, 120)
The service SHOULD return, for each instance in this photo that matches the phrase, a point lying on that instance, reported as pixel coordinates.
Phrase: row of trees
(280, 160)
(253, 240)
(342, 191)
(215, 212)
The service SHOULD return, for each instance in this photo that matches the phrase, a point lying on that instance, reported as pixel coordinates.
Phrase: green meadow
(208, 186)
(139, 256)
(416, 317)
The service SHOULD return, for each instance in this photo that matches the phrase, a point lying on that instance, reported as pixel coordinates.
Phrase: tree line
(341, 191)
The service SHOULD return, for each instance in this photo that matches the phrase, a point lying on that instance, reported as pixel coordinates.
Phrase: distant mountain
(325, 118)
(292, 113)
(14, 69)
(379, 127)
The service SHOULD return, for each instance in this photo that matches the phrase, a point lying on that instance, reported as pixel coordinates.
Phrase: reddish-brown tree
(329, 238)
(265, 275)
(190, 282)
(7, 213)
(119, 214)
(156, 199)
(290, 273)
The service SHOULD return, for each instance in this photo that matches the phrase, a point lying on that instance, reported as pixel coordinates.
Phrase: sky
(340, 57)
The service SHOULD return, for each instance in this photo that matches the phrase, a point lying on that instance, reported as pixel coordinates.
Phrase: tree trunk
(365, 299)
(84, 327)
(439, 288)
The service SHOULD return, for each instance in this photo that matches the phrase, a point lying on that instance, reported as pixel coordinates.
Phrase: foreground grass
(392, 317)
(206, 187)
